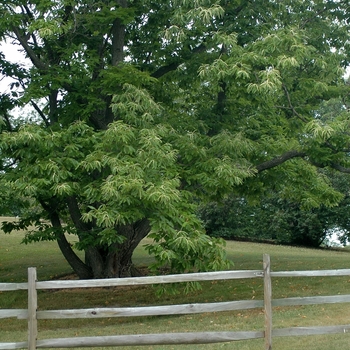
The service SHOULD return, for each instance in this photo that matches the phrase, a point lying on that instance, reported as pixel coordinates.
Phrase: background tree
(274, 217)
(145, 108)
(279, 220)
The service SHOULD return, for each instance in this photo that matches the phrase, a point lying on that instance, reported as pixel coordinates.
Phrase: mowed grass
(15, 258)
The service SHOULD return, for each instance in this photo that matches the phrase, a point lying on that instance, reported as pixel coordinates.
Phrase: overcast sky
(12, 54)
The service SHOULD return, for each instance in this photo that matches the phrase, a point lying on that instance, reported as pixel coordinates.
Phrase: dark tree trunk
(119, 258)
(100, 261)
(94, 259)
(114, 260)
(108, 262)
(80, 268)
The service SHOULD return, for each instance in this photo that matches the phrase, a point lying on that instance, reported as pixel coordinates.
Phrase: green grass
(16, 257)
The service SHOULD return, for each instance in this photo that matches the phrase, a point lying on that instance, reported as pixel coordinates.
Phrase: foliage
(278, 219)
(144, 109)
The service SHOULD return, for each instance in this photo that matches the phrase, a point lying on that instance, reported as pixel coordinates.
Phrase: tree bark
(161, 71)
(22, 38)
(80, 268)
(279, 160)
(118, 37)
(114, 260)
(94, 260)
(93, 257)
(340, 168)
(119, 259)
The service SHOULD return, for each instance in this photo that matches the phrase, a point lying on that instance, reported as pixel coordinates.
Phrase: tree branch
(340, 168)
(33, 57)
(82, 270)
(7, 121)
(279, 160)
(42, 115)
(165, 69)
(336, 150)
(221, 98)
(291, 106)
(296, 154)
(75, 214)
(26, 10)
(173, 66)
(53, 106)
(303, 24)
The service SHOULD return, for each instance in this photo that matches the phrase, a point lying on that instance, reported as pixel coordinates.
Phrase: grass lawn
(15, 258)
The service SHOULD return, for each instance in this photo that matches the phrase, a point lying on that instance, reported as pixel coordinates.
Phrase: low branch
(81, 269)
(340, 168)
(296, 154)
(279, 160)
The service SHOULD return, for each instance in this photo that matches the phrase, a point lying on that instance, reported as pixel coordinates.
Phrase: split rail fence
(32, 315)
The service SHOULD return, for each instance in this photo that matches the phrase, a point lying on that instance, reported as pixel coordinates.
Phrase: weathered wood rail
(267, 332)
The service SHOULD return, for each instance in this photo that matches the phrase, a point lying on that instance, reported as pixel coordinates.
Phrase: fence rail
(32, 315)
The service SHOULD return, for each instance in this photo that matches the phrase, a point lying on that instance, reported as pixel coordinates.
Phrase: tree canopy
(280, 220)
(143, 109)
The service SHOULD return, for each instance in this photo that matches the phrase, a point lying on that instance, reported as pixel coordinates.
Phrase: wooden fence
(32, 315)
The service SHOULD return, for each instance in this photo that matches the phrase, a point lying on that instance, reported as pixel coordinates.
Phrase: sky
(13, 54)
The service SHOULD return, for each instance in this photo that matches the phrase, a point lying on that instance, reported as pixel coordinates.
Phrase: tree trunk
(118, 37)
(94, 259)
(101, 261)
(119, 258)
(82, 270)
(116, 260)
(108, 262)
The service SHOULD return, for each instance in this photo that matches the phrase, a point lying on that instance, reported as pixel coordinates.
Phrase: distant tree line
(278, 219)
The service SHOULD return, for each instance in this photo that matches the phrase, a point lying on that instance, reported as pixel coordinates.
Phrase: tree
(143, 109)
(274, 217)
(279, 220)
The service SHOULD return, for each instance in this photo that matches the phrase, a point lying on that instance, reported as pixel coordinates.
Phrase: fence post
(32, 308)
(267, 302)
